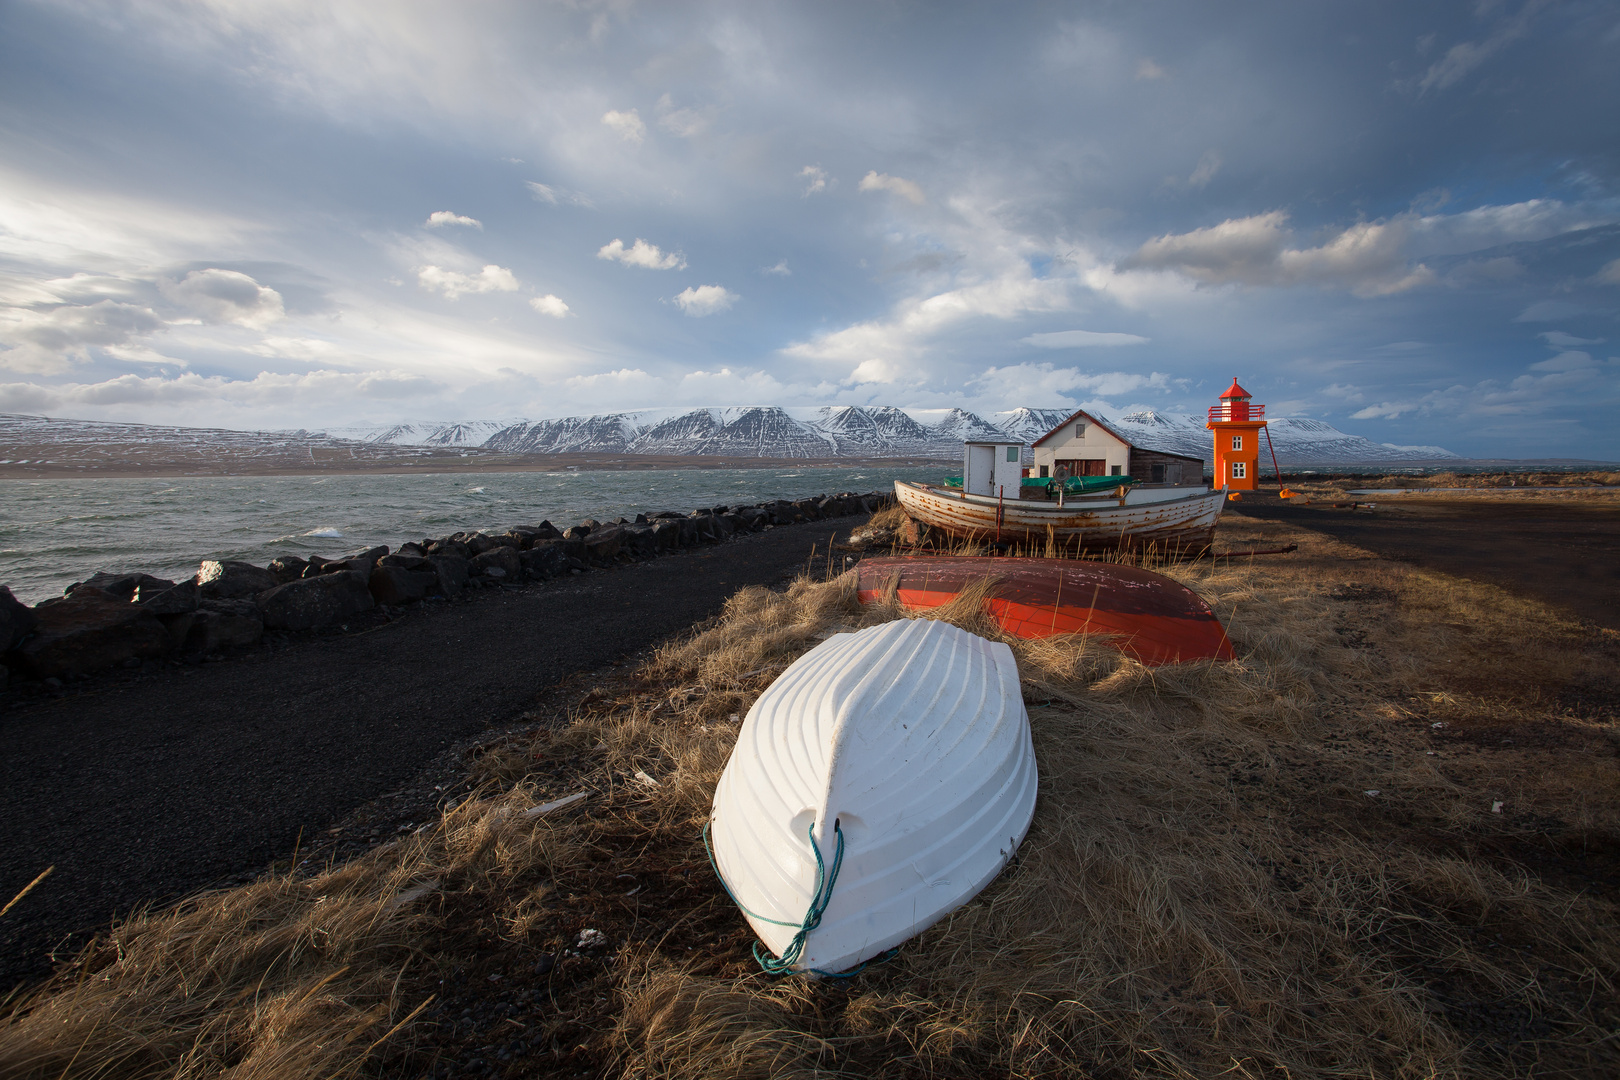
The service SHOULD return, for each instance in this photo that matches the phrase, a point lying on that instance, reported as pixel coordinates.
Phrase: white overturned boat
(907, 746)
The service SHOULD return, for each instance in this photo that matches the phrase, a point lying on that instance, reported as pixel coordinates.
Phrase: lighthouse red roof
(1236, 392)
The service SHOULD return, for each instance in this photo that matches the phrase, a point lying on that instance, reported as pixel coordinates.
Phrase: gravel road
(141, 790)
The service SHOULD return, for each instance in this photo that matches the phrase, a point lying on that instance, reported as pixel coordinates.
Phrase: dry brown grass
(1208, 888)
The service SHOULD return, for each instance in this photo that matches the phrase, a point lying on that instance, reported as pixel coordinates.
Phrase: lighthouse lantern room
(1236, 424)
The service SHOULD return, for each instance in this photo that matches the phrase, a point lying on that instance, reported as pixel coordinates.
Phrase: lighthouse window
(1240, 469)
(1237, 442)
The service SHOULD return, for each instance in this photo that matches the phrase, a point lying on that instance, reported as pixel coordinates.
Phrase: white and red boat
(1168, 519)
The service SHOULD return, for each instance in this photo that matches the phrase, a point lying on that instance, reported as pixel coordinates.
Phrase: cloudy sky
(1402, 218)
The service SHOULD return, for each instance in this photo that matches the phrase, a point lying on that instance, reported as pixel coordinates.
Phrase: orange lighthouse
(1236, 424)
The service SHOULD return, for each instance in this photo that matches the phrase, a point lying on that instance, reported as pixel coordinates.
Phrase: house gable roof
(1076, 415)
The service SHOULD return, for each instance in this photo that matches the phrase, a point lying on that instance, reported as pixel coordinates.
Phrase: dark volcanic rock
(90, 630)
(287, 568)
(603, 545)
(313, 602)
(361, 564)
(640, 540)
(233, 580)
(576, 532)
(452, 571)
(220, 624)
(397, 586)
(16, 621)
(547, 531)
(404, 561)
(122, 586)
(478, 543)
(175, 600)
(499, 562)
(546, 559)
(667, 534)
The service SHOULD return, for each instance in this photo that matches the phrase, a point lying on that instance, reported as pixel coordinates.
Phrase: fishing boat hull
(910, 741)
(1158, 518)
(1146, 615)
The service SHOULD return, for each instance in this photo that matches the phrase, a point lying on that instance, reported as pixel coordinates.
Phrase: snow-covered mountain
(856, 431)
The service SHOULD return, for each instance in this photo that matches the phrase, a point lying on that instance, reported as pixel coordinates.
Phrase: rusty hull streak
(1177, 523)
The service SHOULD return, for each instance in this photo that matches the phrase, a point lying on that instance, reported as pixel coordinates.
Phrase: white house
(1084, 446)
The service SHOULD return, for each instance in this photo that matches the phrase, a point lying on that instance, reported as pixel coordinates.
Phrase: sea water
(56, 532)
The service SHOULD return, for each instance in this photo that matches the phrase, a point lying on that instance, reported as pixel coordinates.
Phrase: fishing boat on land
(883, 780)
(1170, 519)
(1146, 615)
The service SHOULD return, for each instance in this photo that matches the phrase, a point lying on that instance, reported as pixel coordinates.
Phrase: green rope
(825, 881)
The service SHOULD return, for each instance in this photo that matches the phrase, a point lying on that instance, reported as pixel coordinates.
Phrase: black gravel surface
(143, 787)
(1563, 552)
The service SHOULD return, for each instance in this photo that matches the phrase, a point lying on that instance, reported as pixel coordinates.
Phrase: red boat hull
(1149, 617)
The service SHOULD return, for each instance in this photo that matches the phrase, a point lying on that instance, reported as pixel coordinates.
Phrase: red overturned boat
(1150, 617)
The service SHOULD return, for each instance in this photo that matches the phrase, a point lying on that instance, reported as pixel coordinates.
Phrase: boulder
(576, 532)
(546, 559)
(90, 630)
(397, 586)
(666, 534)
(641, 542)
(175, 600)
(315, 601)
(16, 621)
(478, 543)
(233, 580)
(362, 563)
(499, 562)
(448, 546)
(404, 561)
(547, 531)
(604, 545)
(452, 571)
(417, 550)
(287, 568)
(122, 586)
(520, 538)
(727, 523)
(219, 624)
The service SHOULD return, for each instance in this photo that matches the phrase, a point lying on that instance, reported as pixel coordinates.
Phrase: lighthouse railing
(1236, 410)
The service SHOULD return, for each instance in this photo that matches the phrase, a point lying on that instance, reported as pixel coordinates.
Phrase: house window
(1012, 453)
(1240, 469)
(1115, 471)
(1046, 470)
(1079, 431)
(1237, 442)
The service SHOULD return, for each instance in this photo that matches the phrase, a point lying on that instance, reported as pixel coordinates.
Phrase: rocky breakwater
(132, 619)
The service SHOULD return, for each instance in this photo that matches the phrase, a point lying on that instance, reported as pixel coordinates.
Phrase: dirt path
(140, 791)
(1560, 551)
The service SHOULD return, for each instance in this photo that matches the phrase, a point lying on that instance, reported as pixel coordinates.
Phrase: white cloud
(440, 218)
(705, 299)
(642, 254)
(226, 296)
(622, 379)
(684, 122)
(49, 342)
(882, 371)
(780, 269)
(1147, 69)
(210, 393)
(1569, 374)
(1073, 339)
(1610, 274)
(628, 125)
(1366, 258)
(1548, 311)
(1208, 165)
(454, 285)
(549, 305)
(907, 189)
(817, 177)
(1042, 382)
(557, 196)
(1560, 340)
(1464, 57)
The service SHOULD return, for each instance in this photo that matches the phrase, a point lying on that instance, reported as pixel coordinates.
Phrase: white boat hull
(1161, 517)
(913, 737)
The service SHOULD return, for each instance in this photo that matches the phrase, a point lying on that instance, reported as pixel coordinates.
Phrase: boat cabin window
(1158, 474)
(1116, 470)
